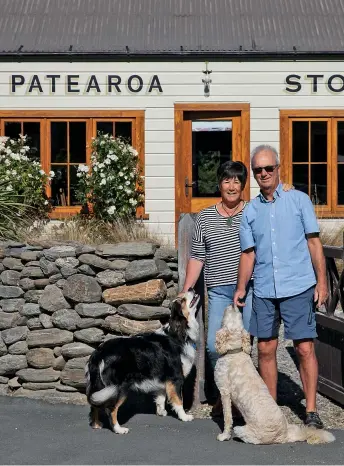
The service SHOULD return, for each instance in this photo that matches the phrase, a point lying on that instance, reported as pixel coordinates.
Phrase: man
(279, 237)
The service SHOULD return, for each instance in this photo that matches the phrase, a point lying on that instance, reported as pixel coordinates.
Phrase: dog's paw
(120, 430)
(161, 411)
(186, 417)
(97, 425)
(224, 436)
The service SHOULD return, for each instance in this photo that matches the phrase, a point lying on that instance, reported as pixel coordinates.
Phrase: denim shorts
(296, 312)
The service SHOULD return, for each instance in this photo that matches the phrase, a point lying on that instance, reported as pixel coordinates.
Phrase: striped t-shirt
(218, 245)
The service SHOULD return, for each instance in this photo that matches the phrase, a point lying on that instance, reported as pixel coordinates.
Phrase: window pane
(318, 141)
(340, 141)
(59, 190)
(32, 130)
(341, 184)
(300, 141)
(300, 177)
(105, 127)
(319, 184)
(123, 130)
(77, 141)
(73, 180)
(211, 146)
(12, 129)
(58, 141)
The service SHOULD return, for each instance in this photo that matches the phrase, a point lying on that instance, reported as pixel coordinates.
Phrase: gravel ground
(290, 394)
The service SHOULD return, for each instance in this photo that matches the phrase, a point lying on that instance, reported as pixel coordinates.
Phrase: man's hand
(239, 298)
(320, 294)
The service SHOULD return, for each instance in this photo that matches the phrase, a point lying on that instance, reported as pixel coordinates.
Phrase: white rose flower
(42, 172)
(102, 182)
(127, 183)
(120, 174)
(51, 173)
(46, 202)
(111, 210)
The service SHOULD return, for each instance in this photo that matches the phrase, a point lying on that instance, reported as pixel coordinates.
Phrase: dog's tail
(103, 395)
(97, 390)
(309, 434)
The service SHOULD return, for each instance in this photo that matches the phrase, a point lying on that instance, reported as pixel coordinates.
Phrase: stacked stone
(58, 302)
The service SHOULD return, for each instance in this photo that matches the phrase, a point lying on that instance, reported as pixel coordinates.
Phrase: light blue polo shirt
(276, 230)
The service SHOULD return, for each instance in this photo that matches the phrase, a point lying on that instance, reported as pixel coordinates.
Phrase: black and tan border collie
(155, 362)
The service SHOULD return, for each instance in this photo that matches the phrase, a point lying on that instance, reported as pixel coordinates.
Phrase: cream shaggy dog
(239, 383)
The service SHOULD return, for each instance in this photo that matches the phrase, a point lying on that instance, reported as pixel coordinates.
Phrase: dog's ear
(176, 308)
(178, 320)
(246, 341)
(222, 341)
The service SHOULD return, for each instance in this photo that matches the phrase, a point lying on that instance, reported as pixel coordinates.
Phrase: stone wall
(58, 302)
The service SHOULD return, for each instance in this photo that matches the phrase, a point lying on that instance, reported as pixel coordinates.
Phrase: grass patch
(332, 235)
(90, 231)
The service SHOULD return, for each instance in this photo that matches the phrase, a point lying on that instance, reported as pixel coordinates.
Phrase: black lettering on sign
(93, 84)
(71, 83)
(16, 80)
(292, 80)
(35, 84)
(155, 84)
(114, 80)
(53, 78)
(339, 77)
(314, 78)
(138, 78)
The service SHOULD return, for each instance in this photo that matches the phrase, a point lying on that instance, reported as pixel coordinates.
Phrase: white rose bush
(112, 185)
(22, 186)
(24, 177)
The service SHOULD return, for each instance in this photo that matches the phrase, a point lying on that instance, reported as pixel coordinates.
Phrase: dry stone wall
(58, 302)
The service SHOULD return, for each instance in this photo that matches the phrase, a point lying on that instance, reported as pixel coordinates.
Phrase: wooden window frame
(332, 209)
(90, 116)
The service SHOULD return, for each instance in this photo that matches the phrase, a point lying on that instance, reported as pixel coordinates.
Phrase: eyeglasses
(268, 169)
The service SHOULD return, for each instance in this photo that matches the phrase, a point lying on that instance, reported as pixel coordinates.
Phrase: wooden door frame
(179, 109)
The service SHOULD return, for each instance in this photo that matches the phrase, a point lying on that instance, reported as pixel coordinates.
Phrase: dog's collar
(233, 351)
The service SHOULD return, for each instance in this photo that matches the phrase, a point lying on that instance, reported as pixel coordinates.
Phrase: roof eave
(177, 54)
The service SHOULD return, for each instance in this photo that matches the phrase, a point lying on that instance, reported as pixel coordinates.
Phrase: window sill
(60, 213)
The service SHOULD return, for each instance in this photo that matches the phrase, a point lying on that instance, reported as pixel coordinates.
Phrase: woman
(216, 247)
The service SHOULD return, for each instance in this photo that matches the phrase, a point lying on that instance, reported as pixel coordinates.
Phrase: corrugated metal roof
(171, 26)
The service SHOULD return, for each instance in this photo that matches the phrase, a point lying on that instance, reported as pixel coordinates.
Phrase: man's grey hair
(265, 147)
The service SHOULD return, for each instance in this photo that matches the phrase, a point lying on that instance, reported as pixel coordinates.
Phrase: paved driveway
(34, 432)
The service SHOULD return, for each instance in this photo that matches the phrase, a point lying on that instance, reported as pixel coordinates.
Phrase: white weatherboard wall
(261, 84)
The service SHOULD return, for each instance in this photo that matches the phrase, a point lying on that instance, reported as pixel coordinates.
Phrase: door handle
(188, 185)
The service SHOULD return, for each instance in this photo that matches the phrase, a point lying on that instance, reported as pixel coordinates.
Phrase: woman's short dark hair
(229, 170)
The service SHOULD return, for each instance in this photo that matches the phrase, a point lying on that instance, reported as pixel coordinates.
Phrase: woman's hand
(287, 186)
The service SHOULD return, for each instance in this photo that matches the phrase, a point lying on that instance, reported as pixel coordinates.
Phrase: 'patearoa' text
(74, 84)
